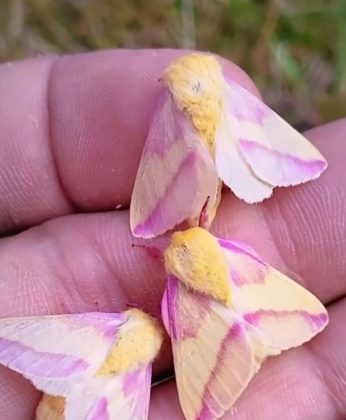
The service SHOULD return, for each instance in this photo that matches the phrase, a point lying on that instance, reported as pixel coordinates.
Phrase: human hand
(71, 134)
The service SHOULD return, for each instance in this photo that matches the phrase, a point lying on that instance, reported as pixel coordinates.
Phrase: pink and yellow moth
(226, 311)
(93, 366)
(209, 131)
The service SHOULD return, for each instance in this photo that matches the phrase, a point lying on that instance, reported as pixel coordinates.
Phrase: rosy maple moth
(92, 366)
(226, 311)
(208, 131)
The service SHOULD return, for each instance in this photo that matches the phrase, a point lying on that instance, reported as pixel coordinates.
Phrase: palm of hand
(79, 115)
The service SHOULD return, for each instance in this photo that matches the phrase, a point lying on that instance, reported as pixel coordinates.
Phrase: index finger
(72, 130)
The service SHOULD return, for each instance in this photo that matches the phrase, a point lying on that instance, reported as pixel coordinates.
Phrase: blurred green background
(294, 50)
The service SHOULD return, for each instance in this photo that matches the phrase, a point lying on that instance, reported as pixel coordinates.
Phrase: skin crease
(71, 134)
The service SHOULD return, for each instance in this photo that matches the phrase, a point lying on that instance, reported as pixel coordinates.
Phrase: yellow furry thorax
(138, 343)
(197, 86)
(195, 257)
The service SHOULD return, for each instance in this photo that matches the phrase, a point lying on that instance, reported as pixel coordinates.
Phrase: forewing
(275, 151)
(57, 351)
(176, 175)
(212, 354)
(278, 312)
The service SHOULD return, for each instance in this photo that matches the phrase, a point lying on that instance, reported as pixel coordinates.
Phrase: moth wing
(111, 397)
(275, 151)
(213, 357)
(54, 352)
(278, 312)
(232, 168)
(176, 175)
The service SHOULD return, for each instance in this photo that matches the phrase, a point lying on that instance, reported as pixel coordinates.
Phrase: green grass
(294, 50)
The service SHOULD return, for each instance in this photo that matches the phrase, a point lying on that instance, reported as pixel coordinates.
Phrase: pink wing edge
(250, 323)
(215, 401)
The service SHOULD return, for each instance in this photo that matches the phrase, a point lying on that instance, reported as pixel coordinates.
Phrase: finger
(72, 130)
(86, 262)
(76, 263)
(29, 187)
(300, 230)
(18, 399)
(305, 383)
(80, 263)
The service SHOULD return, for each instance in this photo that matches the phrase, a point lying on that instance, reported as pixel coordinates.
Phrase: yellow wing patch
(277, 293)
(195, 258)
(138, 343)
(51, 408)
(197, 86)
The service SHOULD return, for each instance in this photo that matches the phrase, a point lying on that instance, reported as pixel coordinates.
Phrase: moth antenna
(152, 251)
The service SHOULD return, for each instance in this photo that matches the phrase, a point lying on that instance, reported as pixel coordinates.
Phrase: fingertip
(102, 104)
(326, 129)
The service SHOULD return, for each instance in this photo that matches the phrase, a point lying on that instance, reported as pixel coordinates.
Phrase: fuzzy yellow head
(197, 86)
(138, 343)
(195, 257)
